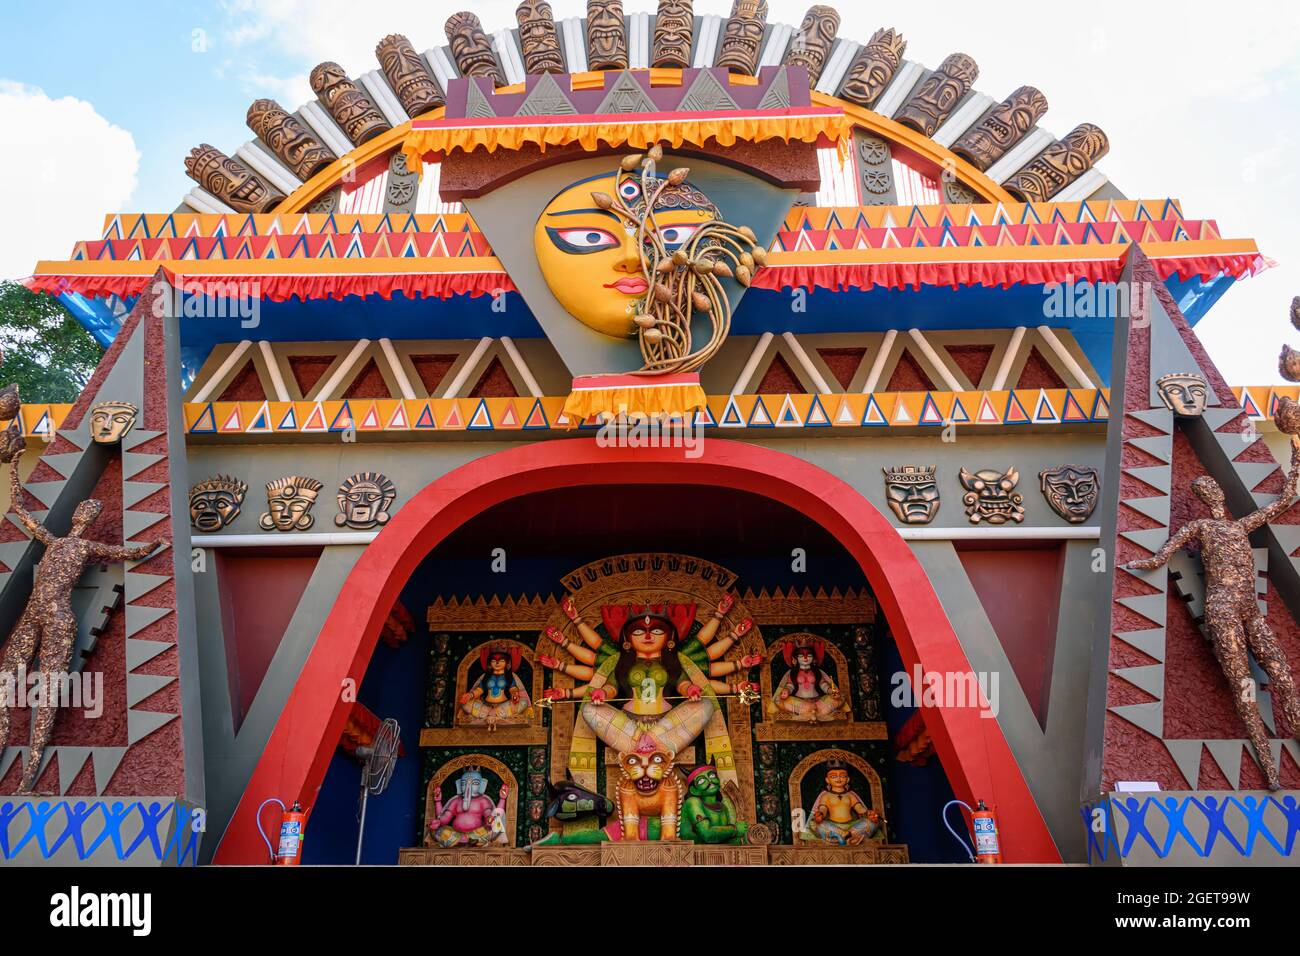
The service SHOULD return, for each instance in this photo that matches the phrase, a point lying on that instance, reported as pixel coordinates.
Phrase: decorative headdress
(790, 647)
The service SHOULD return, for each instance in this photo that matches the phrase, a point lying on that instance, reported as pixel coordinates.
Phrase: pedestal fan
(380, 757)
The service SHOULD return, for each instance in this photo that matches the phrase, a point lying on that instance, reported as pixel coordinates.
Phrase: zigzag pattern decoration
(1137, 425)
(1057, 407)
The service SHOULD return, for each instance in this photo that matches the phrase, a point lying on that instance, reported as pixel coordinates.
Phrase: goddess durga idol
(648, 656)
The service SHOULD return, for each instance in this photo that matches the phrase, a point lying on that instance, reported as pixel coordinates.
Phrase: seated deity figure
(839, 815)
(806, 691)
(471, 818)
(498, 694)
(648, 656)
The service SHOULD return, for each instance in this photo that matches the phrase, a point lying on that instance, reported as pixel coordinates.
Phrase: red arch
(974, 754)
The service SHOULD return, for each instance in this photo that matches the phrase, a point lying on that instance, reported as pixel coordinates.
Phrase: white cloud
(63, 166)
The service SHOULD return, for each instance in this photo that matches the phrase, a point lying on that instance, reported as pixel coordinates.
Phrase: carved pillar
(343, 99)
(985, 144)
(1059, 164)
(812, 44)
(293, 143)
(408, 75)
(606, 35)
(875, 170)
(875, 66)
(471, 48)
(742, 39)
(939, 94)
(538, 38)
(230, 180)
(672, 45)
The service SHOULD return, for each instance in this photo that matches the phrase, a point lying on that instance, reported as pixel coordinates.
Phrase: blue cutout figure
(1136, 813)
(7, 813)
(151, 818)
(77, 815)
(1176, 814)
(113, 820)
(1254, 809)
(1214, 816)
(40, 819)
(1291, 811)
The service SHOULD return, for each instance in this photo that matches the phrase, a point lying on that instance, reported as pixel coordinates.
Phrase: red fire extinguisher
(984, 823)
(293, 826)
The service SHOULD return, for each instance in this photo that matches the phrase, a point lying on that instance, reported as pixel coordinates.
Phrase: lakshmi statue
(650, 657)
(498, 694)
(839, 815)
(806, 691)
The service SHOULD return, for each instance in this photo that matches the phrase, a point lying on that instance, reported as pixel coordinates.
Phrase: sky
(101, 102)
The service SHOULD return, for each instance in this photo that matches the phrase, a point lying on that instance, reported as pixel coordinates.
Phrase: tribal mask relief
(606, 35)
(939, 93)
(1184, 393)
(673, 25)
(875, 66)
(912, 493)
(591, 260)
(991, 496)
(215, 503)
(1071, 490)
(289, 502)
(408, 75)
(470, 47)
(742, 37)
(537, 37)
(110, 422)
(812, 44)
(364, 501)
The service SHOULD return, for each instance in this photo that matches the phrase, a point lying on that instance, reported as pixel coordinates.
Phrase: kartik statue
(1232, 617)
(839, 815)
(470, 818)
(47, 629)
(111, 421)
(498, 695)
(806, 691)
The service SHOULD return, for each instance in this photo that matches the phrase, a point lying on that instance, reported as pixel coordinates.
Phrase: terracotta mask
(1184, 392)
(591, 260)
(289, 502)
(991, 496)
(364, 500)
(215, 502)
(111, 421)
(912, 493)
(1071, 490)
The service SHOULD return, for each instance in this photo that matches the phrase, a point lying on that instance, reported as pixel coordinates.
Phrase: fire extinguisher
(984, 823)
(293, 826)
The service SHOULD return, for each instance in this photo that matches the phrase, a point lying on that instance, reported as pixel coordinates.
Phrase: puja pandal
(714, 441)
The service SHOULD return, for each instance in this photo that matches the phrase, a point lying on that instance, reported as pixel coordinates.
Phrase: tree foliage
(46, 351)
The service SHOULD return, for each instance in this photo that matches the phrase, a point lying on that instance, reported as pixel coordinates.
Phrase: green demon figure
(709, 816)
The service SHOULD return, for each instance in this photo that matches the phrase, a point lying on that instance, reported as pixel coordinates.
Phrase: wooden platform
(657, 853)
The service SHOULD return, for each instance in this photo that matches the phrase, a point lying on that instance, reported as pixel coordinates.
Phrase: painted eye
(675, 236)
(658, 759)
(588, 238)
(629, 190)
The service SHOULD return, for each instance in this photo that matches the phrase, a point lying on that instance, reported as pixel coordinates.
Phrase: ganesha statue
(470, 818)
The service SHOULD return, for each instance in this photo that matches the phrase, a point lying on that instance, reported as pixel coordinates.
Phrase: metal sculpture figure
(48, 625)
(1232, 615)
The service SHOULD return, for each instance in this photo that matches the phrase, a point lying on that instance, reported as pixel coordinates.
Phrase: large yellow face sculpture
(590, 257)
